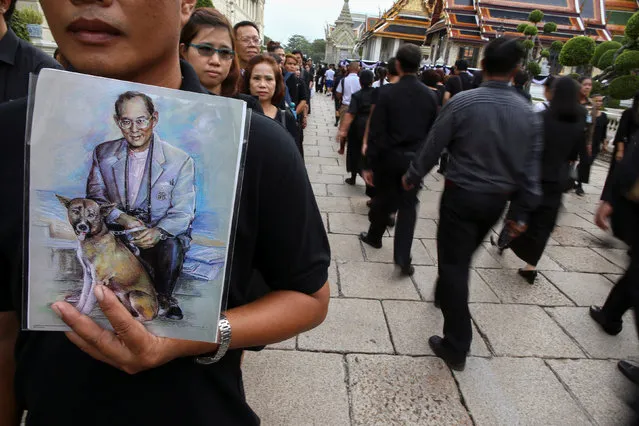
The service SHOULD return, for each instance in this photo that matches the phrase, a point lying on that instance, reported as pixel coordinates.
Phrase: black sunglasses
(207, 50)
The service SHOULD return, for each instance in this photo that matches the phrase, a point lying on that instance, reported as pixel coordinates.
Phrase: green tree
(19, 26)
(578, 51)
(318, 50)
(298, 42)
(535, 50)
(603, 48)
(204, 3)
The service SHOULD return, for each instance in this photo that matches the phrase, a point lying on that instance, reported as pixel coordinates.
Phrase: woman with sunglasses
(207, 44)
(263, 79)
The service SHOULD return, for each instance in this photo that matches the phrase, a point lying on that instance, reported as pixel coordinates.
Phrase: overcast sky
(283, 18)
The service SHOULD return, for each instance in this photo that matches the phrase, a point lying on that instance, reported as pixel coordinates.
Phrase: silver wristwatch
(224, 341)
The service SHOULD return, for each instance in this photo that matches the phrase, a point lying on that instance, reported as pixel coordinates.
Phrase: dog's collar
(128, 231)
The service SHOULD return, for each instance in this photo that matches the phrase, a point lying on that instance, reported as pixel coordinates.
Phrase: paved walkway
(537, 358)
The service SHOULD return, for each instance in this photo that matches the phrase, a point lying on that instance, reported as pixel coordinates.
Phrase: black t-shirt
(59, 384)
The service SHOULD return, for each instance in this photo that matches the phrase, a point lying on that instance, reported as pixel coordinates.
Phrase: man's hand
(589, 150)
(602, 217)
(129, 347)
(619, 155)
(129, 222)
(147, 238)
(341, 135)
(364, 148)
(367, 175)
(407, 186)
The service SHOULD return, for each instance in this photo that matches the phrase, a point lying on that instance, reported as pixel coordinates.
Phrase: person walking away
(453, 84)
(494, 141)
(586, 151)
(403, 116)
(461, 70)
(519, 83)
(329, 76)
(339, 76)
(563, 124)
(431, 79)
(319, 79)
(354, 125)
(599, 134)
(207, 43)
(263, 80)
(548, 85)
(380, 80)
(93, 361)
(344, 91)
(18, 58)
(247, 35)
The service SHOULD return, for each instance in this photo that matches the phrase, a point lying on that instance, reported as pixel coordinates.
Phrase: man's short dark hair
(245, 24)
(392, 67)
(409, 57)
(461, 65)
(298, 51)
(430, 78)
(127, 96)
(502, 56)
(9, 13)
(521, 78)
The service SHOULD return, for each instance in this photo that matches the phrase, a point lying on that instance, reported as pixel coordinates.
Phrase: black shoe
(579, 191)
(408, 271)
(363, 237)
(611, 327)
(391, 221)
(350, 180)
(530, 276)
(455, 361)
(630, 370)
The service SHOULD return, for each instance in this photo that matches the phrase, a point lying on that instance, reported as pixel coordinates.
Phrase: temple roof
(617, 14)
(406, 19)
(345, 15)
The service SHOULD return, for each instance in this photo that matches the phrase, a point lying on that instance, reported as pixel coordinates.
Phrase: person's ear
(116, 119)
(156, 118)
(183, 49)
(186, 10)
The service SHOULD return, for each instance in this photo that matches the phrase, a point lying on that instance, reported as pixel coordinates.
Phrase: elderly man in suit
(153, 186)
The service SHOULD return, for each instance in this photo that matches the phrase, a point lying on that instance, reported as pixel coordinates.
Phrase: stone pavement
(537, 358)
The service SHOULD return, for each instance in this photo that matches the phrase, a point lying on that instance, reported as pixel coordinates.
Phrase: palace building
(341, 38)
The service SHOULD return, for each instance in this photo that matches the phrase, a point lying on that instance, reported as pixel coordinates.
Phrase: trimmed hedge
(577, 51)
(522, 27)
(603, 48)
(627, 61)
(531, 30)
(528, 44)
(536, 16)
(545, 53)
(624, 87)
(606, 60)
(632, 27)
(19, 26)
(533, 68)
(556, 46)
(550, 27)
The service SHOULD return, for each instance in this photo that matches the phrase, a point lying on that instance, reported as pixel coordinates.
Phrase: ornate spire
(345, 16)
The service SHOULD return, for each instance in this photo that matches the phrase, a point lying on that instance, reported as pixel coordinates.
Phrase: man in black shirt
(404, 113)
(18, 58)
(133, 377)
(461, 70)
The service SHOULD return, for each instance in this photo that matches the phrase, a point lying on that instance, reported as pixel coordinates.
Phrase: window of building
(470, 54)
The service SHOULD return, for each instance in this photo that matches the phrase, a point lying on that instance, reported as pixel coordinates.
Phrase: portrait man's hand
(129, 222)
(147, 238)
(129, 347)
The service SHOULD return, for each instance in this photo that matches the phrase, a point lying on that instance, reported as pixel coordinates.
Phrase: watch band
(224, 341)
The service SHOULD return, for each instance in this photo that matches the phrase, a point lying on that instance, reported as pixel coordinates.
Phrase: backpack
(290, 105)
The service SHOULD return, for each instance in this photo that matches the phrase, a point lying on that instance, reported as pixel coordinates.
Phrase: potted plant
(33, 19)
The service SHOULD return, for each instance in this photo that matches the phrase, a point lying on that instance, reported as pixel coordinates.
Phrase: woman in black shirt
(563, 137)
(354, 124)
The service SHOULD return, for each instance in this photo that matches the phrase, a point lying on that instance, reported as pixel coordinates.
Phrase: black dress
(360, 107)
(599, 135)
(562, 143)
(287, 120)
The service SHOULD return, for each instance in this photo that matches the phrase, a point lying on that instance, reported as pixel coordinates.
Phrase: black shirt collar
(190, 80)
(8, 47)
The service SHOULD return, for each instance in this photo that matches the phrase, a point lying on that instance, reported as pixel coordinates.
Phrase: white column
(396, 43)
(377, 49)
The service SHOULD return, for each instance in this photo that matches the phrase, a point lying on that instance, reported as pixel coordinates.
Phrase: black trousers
(465, 218)
(165, 260)
(530, 246)
(391, 197)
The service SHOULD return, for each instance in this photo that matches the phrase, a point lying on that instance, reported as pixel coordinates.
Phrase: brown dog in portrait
(106, 260)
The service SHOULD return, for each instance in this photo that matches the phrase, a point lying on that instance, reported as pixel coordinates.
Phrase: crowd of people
(395, 124)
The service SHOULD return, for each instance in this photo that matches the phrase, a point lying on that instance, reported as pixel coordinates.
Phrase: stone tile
(424, 228)
(581, 259)
(568, 207)
(430, 197)
(345, 247)
(426, 276)
(328, 151)
(617, 256)
(509, 260)
(311, 151)
(284, 388)
(613, 278)
(314, 168)
(575, 237)
(346, 223)
(324, 178)
(358, 205)
(520, 330)
(513, 391)
(607, 239)
(600, 388)
(285, 345)
(344, 190)
(352, 325)
(325, 221)
(583, 289)
(397, 390)
(411, 337)
(319, 189)
(574, 221)
(333, 170)
(431, 248)
(598, 344)
(334, 204)
(321, 161)
(483, 259)
(385, 254)
(429, 210)
(333, 279)
(511, 288)
(375, 281)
